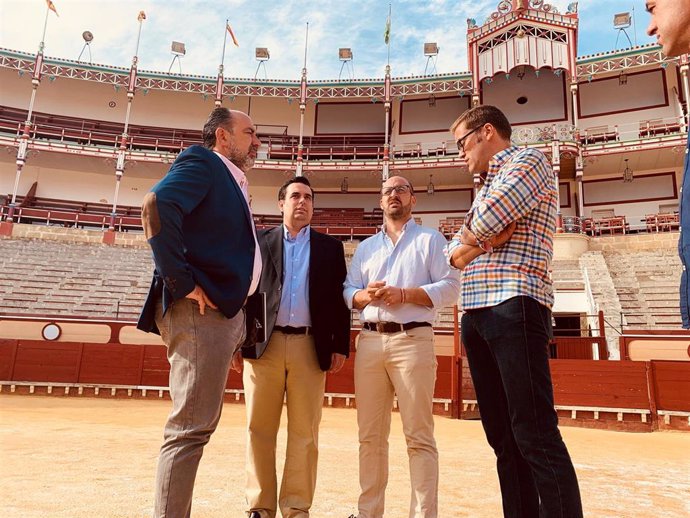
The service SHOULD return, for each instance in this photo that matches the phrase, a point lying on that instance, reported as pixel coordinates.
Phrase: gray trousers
(200, 349)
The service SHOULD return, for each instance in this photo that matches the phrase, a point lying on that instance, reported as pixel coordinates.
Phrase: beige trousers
(289, 367)
(403, 364)
(200, 348)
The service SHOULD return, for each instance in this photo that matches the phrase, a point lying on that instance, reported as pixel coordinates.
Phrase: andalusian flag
(387, 31)
(232, 35)
(51, 6)
(142, 16)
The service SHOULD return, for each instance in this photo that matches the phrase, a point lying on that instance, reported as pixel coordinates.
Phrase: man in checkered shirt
(507, 297)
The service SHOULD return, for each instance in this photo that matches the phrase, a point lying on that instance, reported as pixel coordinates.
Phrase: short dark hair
(220, 117)
(485, 114)
(296, 179)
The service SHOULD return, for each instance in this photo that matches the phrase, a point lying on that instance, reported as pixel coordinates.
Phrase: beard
(242, 159)
(402, 212)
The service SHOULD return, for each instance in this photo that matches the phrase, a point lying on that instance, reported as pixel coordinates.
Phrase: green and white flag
(387, 31)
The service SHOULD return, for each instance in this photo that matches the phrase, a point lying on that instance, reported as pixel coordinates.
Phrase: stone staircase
(605, 296)
(647, 285)
(566, 275)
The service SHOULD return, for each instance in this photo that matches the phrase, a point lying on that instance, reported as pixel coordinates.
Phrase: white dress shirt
(241, 180)
(416, 260)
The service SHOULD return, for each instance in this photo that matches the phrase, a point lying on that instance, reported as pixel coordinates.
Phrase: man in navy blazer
(199, 226)
(307, 333)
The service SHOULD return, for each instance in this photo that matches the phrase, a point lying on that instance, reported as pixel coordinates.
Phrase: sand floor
(96, 458)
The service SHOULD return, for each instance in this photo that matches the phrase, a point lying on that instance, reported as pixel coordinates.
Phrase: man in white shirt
(398, 279)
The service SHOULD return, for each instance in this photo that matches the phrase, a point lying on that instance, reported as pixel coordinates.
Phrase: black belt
(392, 327)
(289, 330)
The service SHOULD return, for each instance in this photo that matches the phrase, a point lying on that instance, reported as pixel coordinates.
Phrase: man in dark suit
(199, 226)
(307, 333)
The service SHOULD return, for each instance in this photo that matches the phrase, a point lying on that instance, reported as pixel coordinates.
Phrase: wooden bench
(656, 127)
(599, 135)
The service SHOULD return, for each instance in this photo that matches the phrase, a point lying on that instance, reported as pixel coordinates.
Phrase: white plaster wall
(546, 98)
(418, 115)
(353, 118)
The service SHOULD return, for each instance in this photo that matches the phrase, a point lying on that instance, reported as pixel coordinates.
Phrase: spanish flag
(142, 16)
(51, 6)
(232, 35)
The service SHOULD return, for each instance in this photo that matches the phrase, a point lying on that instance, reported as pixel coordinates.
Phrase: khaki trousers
(403, 364)
(200, 348)
(288, 367)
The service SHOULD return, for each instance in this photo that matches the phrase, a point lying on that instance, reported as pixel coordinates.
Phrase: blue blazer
(200, 230)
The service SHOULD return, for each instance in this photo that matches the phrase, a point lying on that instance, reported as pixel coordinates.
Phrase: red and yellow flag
(142, 16)
(232, 35)
(51, 6)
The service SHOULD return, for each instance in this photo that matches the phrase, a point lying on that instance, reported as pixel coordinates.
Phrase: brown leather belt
(392, 327)
(288, 330)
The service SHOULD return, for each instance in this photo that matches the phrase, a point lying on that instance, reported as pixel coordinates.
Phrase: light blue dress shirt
(415, 261)
(294, 299)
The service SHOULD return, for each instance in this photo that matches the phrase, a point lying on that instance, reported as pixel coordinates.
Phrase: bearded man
(198, 223)
(398, 279)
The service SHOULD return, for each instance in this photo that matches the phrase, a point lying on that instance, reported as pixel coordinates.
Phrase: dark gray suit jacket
(330, 316)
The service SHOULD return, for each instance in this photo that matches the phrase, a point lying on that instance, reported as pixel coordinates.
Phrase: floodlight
(345, 54)
(430, 49)
(178, 48)
(88, 36)
(622, 21)
(262, 54)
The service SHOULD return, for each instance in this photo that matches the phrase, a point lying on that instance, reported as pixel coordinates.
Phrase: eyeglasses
(399, 189)
(461, 141)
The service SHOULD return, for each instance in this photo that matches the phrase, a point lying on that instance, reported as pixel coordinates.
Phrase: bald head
(397, 199)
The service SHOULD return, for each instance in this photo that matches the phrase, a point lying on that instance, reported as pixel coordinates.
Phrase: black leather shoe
(254, 514)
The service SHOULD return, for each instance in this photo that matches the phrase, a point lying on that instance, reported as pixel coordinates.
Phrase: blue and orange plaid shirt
(520, 186)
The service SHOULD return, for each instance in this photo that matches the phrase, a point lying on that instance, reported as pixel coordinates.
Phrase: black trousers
(507, 350)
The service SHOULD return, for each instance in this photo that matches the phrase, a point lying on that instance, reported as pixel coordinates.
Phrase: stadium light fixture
(430, 51)
(262, 55)
(622, 20)
(178, 50)
(87, 36)
(345, 54)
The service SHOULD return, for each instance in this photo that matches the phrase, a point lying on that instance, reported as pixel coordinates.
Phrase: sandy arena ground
(96, 458)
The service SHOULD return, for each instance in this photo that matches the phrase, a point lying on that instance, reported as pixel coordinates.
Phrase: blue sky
(280, 26)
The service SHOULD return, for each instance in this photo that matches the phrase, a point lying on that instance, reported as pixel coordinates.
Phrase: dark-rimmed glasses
(461, 141)
(399, 189)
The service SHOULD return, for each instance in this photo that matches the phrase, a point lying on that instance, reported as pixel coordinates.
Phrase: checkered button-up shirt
(520, 186)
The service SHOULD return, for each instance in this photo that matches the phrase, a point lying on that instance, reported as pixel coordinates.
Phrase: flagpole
(387, 101)
(225, 40)
(25, 137)
(120, 160)
(221, 67)
(302, 108)
(45, 27)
